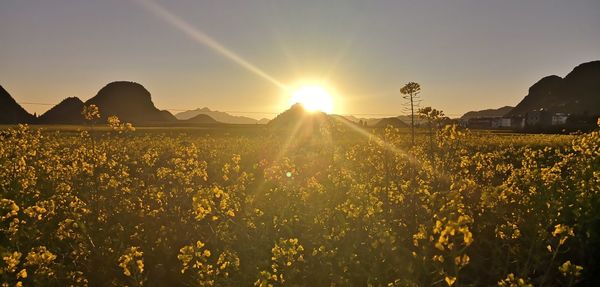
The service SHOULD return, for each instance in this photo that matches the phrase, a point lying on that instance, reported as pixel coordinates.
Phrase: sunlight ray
(381, 142)
(202, 38)
(284, 147)
(342, 53)
(377, 139)
(411, 159)
(290, 138)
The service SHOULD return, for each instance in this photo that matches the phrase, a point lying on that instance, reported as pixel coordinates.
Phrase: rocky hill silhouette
(299, 120)
(129, 101)
(492, 113)
(221, 117)
(578, 93)
(11, 112)
(66, 112)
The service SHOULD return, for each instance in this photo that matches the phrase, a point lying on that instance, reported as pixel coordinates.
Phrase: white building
(501, 122)
(559, 119)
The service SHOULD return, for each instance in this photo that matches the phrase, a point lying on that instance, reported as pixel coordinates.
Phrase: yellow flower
(12, 260)
(450, 280)
(91, 112)
(22, 274)
(132, 254)
(568, 268)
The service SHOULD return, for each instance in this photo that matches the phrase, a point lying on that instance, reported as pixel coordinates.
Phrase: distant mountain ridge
(263, 121)
(578, 93)
(201, 119)
(393, 121)
(222, 117)
(491, 113)
(11, 112)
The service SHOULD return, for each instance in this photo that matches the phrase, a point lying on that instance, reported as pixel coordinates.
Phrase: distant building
(480, 123)
(496, 123)
(488, 123)
(559, 119)
(501, 123)
(538, 118)
(509, 122)
(517, 122)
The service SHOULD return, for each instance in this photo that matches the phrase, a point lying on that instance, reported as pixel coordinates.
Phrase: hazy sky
(466, 54)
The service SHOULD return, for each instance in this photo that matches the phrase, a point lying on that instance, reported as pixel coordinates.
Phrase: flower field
(345, 208)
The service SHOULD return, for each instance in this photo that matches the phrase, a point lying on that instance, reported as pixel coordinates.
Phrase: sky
(237, 55)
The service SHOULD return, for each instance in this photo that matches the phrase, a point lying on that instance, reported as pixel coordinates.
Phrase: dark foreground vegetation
(335, 207)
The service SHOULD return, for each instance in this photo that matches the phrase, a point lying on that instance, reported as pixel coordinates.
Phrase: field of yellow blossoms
(117, 207)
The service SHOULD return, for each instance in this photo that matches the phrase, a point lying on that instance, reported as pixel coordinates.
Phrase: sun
(313, 98)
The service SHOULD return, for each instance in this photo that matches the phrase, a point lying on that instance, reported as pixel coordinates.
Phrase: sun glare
(313, 98)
